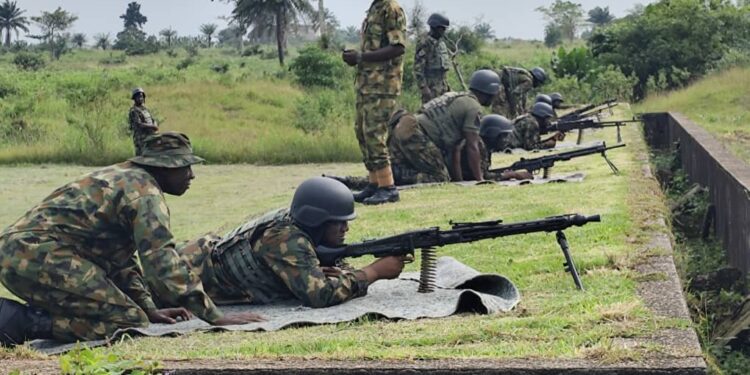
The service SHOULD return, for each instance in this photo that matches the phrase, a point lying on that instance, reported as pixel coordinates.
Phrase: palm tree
(281, 13)
(11, 20)
(101, 41)
(208, 30)
(79, 39)
(169, 35)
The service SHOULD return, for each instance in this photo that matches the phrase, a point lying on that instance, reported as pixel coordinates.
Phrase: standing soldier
(141, 123)
(87, 258)
(379, 76)
(517, 82)
(431, 60)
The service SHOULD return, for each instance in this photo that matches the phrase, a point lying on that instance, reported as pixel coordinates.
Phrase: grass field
(719, 103)
(553, 320)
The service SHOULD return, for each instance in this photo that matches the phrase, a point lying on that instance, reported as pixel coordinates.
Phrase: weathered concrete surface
(708, 163)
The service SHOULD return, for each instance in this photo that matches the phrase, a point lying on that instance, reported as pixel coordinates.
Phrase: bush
(171, 53)
(220, 68)
(469, 41)
(113, 59)
(314, 67)
(252, 51)
(185, 63)
(611, 83)
(578, 62)
(552, 35)
(673, 39)
(28, 61)
(321, 110)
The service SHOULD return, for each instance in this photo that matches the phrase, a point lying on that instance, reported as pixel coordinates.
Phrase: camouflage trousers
(501, 105)
(416, 159)
(371, 128)
(84, 302)
(437, 85)
(197, 255)
(139, 138)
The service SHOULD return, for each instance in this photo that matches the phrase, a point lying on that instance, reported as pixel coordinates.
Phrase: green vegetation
(90, 362)
(718, 103)
(554, 320)
(701, 259)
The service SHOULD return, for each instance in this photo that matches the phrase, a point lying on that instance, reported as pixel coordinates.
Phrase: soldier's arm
(524, 84)
(168, 276)
(294, 261)
(394, 27)
(135, 121)
(129, 279)
(420, 61)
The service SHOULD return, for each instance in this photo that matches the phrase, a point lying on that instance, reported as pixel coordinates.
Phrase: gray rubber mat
(459, 289)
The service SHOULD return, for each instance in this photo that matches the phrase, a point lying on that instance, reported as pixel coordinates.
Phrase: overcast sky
(516, 19)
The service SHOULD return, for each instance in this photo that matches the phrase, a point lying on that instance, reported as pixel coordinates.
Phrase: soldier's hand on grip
(388, 267)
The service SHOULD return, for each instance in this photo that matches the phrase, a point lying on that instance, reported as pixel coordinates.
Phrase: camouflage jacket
(430, 60)
(527, 132)
(385, 25)
(273, 259)
(111, 216)
(138, 117)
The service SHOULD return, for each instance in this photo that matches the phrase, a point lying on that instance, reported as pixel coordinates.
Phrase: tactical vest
(437, 109)
(234, 255)
(437, 58)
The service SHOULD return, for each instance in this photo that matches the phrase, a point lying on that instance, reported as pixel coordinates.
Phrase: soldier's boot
(386, 191)
(386, 194)
(19, 323)
(369, 190)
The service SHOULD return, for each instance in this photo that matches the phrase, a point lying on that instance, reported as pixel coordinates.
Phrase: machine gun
(548, 161)
(587, 123)
(589, 110)
(430, 238)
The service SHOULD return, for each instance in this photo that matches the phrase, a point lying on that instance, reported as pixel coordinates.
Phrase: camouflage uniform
(76, 255)
(527, 132)
(378, 83)
(266, 260)
(422, 145)
(138, 116)
(511, 100)
(431, 66)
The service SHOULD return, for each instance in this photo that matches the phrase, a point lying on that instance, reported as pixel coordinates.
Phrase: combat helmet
(543, 98)
(485, 81)
(557, 99)
(540, 76)
(321, 199)
(542, 110)
(137, 91)
(438, 20)
(491, 128)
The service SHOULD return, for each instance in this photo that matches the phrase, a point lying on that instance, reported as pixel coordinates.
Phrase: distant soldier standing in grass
(379, 77)
(141, 123)
(431, 60)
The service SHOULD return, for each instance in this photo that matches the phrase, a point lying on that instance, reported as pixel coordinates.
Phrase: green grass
(553, 320)
(251, 114)
(719, 103)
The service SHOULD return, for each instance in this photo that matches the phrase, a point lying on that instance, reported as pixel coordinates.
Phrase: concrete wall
(711, 165)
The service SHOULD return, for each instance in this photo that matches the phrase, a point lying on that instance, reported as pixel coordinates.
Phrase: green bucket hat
(167, 150)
